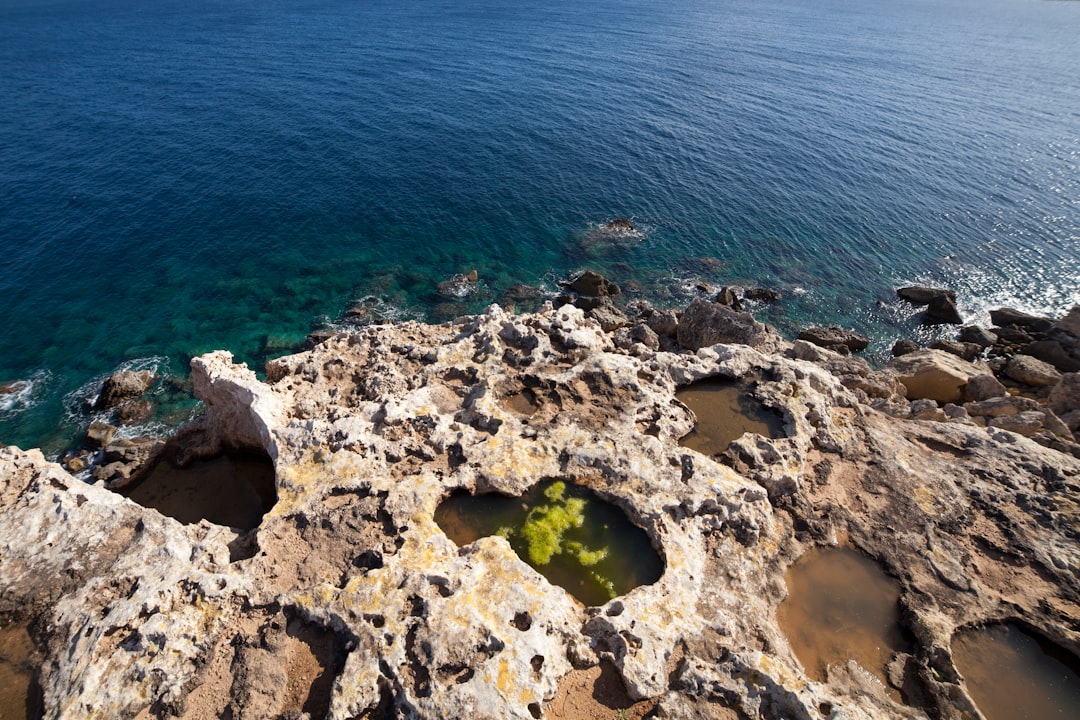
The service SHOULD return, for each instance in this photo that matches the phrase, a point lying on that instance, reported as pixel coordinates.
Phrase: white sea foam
(27, 393)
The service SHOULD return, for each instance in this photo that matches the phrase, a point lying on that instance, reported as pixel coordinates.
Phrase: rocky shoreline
(960, 477)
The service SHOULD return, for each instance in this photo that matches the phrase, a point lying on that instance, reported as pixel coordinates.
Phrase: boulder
(967, 351)
(729, 297)
(984, 387)
(977, 335)
(904, 346)
(134, 412)
(1001, 406)
(918, 295)
(610, 317)
(1070, 324)
(99, 434)
(664, 323)
(706, 323)
(123, 385)
(758, 294)
(1053, 352)
(830, 337)
(593, 284)
(521, 291)
(1026, 423)
(1009, 316)
(1032, 371)
(934, 375)
(1065, 397)
(941, 310)
(1012, 335)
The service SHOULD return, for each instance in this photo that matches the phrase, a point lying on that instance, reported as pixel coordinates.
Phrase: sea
(181, 176)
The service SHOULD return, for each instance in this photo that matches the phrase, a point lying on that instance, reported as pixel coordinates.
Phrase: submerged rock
(350, 579)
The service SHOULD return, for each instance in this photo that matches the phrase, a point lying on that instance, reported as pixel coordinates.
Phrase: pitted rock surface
(138, 615)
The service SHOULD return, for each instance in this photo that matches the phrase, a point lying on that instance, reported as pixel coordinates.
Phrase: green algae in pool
(841, 606)
(20, 695)
(725, 410)
(1015, 675)
(571, 536)
(234, 489)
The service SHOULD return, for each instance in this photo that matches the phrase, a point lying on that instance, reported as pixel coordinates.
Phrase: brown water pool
(234, 489)
(725, 410)
(1015, 675)
(842, 606)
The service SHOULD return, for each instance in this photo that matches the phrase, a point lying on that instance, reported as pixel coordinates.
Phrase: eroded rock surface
(350, 578)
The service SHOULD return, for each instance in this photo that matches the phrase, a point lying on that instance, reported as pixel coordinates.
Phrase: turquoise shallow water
(200, 175)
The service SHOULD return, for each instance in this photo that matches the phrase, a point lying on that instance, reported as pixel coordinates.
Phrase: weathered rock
(134, 412)
(729, 297)
(706, 323)
(610, 317)
(759, 294)
(934, 375)
(621, 225)
(1012, 336)
(665, 323)
(125, 460)
(1070, 324)
(1025, 423)
(1065, 396)
(1001, 406)
(123, 385)
(1005, 317)
(350, 579)
(593, 284)
(984, 387)
(830, 337)
(904, 346)
(942, 310)
(100, 434)
(1053, 352)
(1032, 371)
(917, 295)
(975, 334)
(967, 351)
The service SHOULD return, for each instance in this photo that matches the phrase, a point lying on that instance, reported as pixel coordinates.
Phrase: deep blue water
(177, 177)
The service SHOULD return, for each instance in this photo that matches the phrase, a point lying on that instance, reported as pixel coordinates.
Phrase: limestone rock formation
(349, 601)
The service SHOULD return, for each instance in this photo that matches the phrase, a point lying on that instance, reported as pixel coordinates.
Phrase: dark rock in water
(759, 294)
(458, 286)
(904, 347)
(941, 310)
(123, 385)
(521, 291)
(1070, 324)
(10, 388)
(1012, 335)
(621, 225)
(99, 434)
(729, 297)
(593, 284)
(1055, 353)
(706, 323)
(447, 311)
(968, 351)
(134, 412)
(917, 295)
(1032, 323)
(975, 334)
(830, 337)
